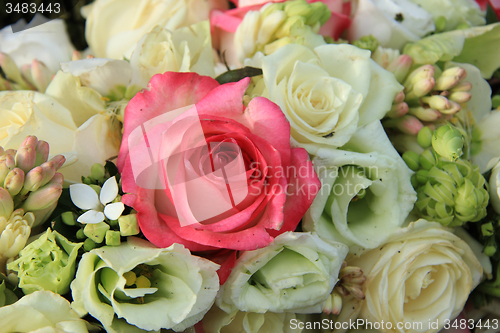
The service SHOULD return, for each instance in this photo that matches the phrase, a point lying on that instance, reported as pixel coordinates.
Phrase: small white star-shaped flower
(84, 197)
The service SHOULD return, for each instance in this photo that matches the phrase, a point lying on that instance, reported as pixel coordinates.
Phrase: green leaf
(238, 74)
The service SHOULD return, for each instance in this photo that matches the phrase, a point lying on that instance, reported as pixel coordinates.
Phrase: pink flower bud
(43, 198)
(14, 181)
(42, 152)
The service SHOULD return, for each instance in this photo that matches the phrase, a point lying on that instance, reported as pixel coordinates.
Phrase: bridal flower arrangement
(252, 166)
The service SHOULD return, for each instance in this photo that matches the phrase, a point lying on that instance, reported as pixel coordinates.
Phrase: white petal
(91, 217)
(109, 191)
(114, 210)
(84, 197)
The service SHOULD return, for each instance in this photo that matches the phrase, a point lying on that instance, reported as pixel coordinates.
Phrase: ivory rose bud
(295, 273)
(187, 49)
(113, 27)
(423, 274)
(328, 92)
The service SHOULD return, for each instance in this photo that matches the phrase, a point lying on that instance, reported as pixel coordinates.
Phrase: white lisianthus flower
(423, 274)
(366, 191)
(392, 22)
(136, 286)
(48, 43)
(42, 311)
(113, 27)
(455, 12)
(85, 197)
(295, 273)
(71, 118)
(328, 92)
(186, 49)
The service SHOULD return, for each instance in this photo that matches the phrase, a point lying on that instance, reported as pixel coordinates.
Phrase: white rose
(392, 22)
(48, 43)
(71, 119)
(328, 92)
(186, 49)
(423, 274)
(113, 27)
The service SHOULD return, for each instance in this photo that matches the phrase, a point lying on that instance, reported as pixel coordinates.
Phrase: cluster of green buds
(432, 96)
(278, 24)
(350, 282)
(450, 190)
(35, 76)
(30, 179)
(101, 218)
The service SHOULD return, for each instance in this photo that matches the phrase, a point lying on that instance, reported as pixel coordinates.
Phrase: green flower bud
(367, 42)
(68, 218)
(48, 263)
(460, 96)
(448, 142)
(424, 137)
(487, 229)
(89, 244)
(428, 159)
(80, 234)
(42, 152)
(128, 225)
(98, 172)
(96, 231)
(490, 248)
(496, 101)
(453, 194)
(412, 160)
(440, 23)
(112, 238)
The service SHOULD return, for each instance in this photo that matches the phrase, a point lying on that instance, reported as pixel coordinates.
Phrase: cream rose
(186, 49)
(71, 119)
(423, 274)
(328, 92)
(113, 27)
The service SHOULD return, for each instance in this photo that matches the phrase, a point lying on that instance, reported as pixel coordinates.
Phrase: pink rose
(214, 174)
(225, 23)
